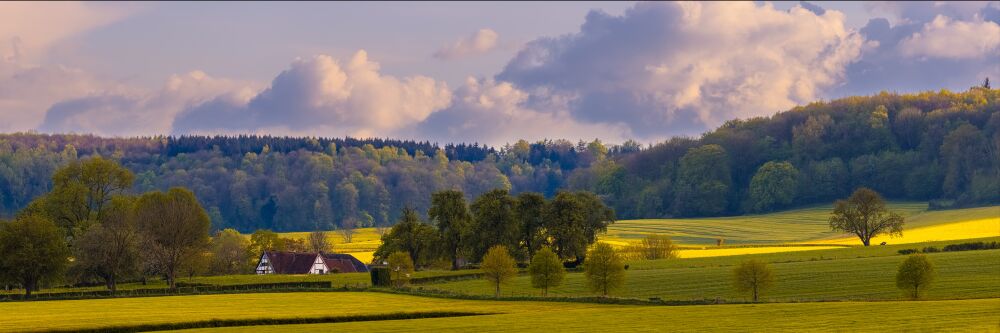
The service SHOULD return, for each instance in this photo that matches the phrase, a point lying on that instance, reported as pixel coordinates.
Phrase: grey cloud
(680, 68)
(885, 64)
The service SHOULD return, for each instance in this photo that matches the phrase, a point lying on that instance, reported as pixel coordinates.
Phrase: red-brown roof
(344, 263)
(291, 262)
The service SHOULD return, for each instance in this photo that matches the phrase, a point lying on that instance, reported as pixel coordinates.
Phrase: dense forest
(938, 146)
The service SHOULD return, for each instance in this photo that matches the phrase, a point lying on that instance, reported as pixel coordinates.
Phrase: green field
(825, 288)
(838, 274)
(964, 315)
(336, 280)
(782, 227)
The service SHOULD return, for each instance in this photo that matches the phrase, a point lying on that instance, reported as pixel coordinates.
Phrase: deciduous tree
(34, 251)
(230, 253)
(498, 267)
(546, 270)
(530, 210)
(915, 274)
(773, 186)
(604, 269)
(752, 276)
(174, 228)
(409, 235)
(865, 215)
(110, 249)
(494, 222)
(451, 215)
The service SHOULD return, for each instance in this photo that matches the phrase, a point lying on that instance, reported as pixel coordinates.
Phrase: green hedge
(181, 290)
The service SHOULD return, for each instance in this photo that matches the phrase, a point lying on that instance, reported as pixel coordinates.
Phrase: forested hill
(939, 146)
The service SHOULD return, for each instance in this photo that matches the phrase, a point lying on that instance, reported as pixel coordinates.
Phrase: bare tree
(347, 229)
(318, 242)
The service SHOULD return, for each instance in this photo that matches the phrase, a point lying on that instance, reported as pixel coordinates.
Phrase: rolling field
(752, 233)
(790, 226)
(966, 315)
(800, 276)
(792, 230)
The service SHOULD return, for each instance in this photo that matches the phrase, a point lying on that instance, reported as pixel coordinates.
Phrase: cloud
(947, 38)
(27, 30)
(929, 47)
(134, 113)
(480, 42)
(495, 113)
(321, 96)
(681, 68)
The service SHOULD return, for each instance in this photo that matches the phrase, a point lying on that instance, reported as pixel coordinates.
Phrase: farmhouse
(276, 262)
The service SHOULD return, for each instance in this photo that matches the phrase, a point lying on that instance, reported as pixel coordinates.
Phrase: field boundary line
(213, 323)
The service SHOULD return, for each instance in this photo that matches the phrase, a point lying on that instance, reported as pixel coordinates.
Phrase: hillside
(938, 146)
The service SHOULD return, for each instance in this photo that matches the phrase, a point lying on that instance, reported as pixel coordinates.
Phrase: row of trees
(940, 146)
(459, 231)
(90, 227)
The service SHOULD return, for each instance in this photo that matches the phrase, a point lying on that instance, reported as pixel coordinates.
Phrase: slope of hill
(939, 146)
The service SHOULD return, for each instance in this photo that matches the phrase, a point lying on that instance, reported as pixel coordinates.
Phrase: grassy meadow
(961, 315)
(810, 264)
(802, 229)
(837, 274)
(791, 226)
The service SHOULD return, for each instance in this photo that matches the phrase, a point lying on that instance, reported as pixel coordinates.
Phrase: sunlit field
(793, 230)
(940, 225)
(788, 231)
(795, 225)
(962, 315)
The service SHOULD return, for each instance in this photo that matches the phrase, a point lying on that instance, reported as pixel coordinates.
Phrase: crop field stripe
(213, 323)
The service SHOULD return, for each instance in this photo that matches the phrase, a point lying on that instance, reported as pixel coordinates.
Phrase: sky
(488, 72)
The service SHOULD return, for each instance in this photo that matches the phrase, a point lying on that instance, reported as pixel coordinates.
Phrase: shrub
(930, 249)
(972, 246)
(907, 251)
(400, 267)
(380, 276)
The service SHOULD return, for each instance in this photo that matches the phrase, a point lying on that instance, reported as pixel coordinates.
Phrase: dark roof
(344, 263)
(291, 262)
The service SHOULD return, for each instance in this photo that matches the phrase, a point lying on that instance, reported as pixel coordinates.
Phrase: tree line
(937, 146)
(460, 232)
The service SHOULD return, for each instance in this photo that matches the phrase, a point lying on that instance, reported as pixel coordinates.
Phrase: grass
(782, 227)
(965, 315)
(970, 316)
(840, 274)
(338, 280)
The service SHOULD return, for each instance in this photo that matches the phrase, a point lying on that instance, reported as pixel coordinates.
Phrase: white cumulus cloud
(321, 96)
(947, 38)
(482, 41)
